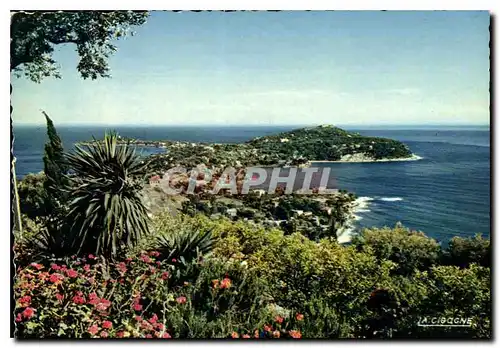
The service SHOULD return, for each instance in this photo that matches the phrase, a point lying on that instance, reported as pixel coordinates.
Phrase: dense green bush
(464, 251)
(410, 250)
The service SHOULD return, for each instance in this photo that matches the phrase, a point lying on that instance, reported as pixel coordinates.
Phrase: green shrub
(410, 250)
(464, 251)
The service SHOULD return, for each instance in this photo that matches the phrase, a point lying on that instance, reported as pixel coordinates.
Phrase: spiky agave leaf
(106, 211)
(187, 244)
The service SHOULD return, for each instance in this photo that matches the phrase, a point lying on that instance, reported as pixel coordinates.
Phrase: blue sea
(445, 194)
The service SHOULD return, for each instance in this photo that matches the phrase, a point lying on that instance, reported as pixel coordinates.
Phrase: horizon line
(261, 124)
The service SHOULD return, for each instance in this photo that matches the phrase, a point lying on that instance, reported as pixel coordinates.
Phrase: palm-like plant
(186, 244)
(106, 212)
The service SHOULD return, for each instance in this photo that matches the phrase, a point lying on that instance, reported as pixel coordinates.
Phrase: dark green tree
(34, 35)
(54, 166)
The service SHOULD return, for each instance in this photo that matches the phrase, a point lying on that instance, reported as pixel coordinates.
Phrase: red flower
(28, 313)
(56, 278)
(103, 304)
(59, 297)
(138, 318)
(225, 283)
(37, 265)
(145, 258)
(120, 334)
(93, 329)
(299, 317)
(137, 307)
(19, 318)
(72, 273)
(181, 299)
(55, 267)
(166, 335)
(278, 319)
(122, 267)
(78, 299)
(153, 319)
(160, 326)
(267, 328)
(215, 283)
(107, 324)
(25, 301)
(235, 335)
(295, 334)
(164, 275)
(104, 334)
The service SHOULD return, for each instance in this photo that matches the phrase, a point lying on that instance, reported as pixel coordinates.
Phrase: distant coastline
(366, 159)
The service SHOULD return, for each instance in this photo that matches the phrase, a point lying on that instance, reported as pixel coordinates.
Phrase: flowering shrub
(138, 297)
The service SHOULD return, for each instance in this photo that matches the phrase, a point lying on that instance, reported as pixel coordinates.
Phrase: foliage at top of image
(35, 34)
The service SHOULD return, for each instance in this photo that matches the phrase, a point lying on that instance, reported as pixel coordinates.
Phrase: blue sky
(215, 68)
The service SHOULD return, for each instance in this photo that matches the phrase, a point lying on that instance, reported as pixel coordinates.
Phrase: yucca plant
(185, 245)
(106, 212)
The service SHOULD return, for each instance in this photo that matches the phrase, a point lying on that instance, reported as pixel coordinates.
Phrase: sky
(278, 68)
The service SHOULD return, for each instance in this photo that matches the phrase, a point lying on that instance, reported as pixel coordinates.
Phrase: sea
(444, 194)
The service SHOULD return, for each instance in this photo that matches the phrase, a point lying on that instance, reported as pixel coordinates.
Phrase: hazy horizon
(278, 68)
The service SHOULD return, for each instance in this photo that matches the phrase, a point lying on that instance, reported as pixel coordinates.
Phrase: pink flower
(103, 304)
(37, 266)
(104, 334)
(28, 313)
(153, 319)
(122, 267)
(164, 275)
(278, 319)
(19, 318)
(245, 336)
(56, 278)
(93, 329)
(299, 317)
(25, 301)
(72, 273)
(120, 334)
(235, 335)
(59, 297)
(166, 335)
(78, 299)
(86, 268)
(91, 257)
(154, 253)
(295, 334)
(55, 267)
(181, 299)
(107, 324)
(145, 258)
(174, 260)
(137, 307)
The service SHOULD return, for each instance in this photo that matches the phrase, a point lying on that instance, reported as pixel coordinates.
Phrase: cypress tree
(54, 165)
